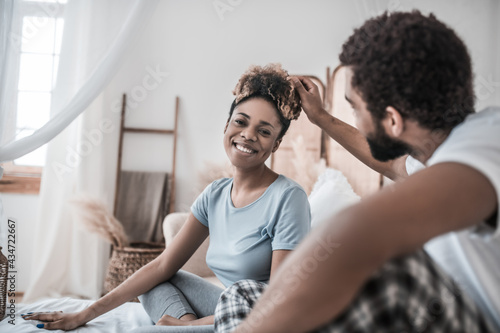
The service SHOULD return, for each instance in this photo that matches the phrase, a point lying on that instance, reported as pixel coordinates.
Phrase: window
(41, 27)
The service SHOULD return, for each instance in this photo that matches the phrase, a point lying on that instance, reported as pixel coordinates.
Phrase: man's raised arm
(346, 135)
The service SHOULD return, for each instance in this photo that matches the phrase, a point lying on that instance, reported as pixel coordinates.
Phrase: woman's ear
(225, 127)
(393, 122)
(277, 145)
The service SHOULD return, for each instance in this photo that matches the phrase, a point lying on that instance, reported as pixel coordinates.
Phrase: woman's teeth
(243, 149)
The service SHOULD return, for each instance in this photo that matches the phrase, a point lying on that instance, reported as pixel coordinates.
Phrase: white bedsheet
(122, 319)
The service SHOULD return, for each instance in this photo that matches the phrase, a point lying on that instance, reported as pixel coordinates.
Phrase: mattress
(121, 319)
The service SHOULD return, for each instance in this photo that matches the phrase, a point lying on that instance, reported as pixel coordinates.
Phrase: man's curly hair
(414, 63)
(271, 84)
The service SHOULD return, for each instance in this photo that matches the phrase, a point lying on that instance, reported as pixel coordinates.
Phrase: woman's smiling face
(251, 134)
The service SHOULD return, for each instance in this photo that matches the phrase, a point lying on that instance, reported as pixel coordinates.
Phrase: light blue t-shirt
(242, 239)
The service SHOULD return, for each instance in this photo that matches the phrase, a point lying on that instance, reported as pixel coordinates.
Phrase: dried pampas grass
(306, 170)
(97, 219)
(213, 171)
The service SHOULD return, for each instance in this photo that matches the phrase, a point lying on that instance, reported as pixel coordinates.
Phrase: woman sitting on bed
(254, 219)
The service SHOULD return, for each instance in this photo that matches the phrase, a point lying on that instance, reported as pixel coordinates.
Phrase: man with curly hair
(409, 81)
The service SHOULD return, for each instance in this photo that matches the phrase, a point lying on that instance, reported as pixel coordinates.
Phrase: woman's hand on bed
(310, 98)
(57, 320)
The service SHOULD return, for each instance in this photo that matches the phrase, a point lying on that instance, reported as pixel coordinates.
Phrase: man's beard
(383, 148)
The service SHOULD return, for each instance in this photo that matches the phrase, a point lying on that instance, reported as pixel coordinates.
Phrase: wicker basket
(127, 260)
(4, 268)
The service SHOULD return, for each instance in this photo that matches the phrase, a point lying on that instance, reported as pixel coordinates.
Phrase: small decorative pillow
(331, 193)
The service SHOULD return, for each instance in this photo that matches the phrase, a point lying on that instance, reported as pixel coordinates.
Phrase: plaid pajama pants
(408, 294)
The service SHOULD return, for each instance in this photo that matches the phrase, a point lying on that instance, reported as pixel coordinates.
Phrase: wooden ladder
(124, 130)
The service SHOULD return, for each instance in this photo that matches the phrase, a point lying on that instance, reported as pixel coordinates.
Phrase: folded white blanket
(122, 319)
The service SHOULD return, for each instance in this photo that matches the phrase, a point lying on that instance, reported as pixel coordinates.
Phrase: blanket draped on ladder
(143, 203)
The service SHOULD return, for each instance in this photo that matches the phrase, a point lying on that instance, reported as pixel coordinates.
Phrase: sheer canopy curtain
(68, 261)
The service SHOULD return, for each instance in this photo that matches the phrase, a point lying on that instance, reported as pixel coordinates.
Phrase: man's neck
(424, 142)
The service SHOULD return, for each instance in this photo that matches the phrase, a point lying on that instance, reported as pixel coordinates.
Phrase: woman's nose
(249, 134)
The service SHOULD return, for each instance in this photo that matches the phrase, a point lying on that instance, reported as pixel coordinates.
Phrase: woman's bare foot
(186, 320)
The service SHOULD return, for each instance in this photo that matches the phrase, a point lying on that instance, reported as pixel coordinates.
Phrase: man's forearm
(346, 135)
(306, 292)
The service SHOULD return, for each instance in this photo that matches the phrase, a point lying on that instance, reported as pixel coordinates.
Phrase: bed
(331, 186)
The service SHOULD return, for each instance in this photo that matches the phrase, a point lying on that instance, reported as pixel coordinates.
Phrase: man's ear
(393, 122)
(277, 144)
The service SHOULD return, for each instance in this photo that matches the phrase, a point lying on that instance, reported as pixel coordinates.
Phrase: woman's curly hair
(270, 83)
(414, 63)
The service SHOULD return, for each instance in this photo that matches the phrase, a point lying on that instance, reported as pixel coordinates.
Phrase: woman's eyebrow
(266, 123)
(262, 122)
(244, 114)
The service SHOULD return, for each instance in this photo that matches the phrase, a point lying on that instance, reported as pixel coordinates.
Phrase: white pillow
(331, 193)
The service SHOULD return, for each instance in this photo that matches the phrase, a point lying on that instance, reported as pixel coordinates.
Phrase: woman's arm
(346, 135)
(185, 243)
(277, 259)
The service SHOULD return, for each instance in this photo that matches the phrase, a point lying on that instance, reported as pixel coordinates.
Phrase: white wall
(205, 56)
(496, 38)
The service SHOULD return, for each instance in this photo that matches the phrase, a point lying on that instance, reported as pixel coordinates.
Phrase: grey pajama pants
(184, 293)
